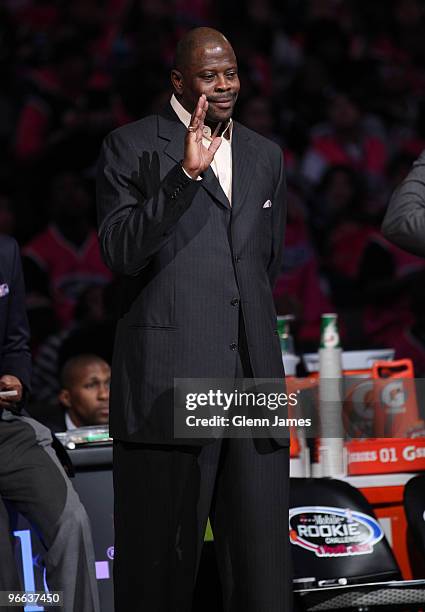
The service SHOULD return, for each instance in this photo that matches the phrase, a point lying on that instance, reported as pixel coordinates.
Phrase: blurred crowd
(337, 83)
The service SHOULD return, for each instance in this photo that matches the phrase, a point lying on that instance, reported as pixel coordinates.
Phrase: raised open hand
(197, 157)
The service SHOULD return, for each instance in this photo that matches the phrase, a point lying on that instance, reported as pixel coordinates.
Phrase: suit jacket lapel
(172, 129)
(212, 185)
(244, 157)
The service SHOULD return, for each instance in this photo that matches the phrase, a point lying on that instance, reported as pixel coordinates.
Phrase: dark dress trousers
(197, 303)
(404, 222)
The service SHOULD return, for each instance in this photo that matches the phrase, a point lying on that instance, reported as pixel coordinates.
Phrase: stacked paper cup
(290, 360)
(330, 451)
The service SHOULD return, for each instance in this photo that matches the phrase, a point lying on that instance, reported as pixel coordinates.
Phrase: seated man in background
(84, 395)
(32, 481)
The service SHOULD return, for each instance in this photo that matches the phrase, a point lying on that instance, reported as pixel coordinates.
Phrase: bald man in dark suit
(191, 214)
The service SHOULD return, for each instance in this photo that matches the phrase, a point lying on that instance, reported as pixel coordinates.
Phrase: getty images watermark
(352, 407)
(207, 408)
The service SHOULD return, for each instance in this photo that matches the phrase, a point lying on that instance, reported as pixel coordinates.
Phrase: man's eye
(231, 75)
(208, 77)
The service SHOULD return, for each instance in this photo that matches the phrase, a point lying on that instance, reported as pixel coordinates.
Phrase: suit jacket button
(235, 302)
(237, 258)
(233, 346)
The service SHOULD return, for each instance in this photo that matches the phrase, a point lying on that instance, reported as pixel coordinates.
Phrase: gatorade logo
(333, 532)
(394, 397)
(330, 336)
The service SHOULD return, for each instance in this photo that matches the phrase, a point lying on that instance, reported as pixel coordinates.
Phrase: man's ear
(177, 81)
(65, 398)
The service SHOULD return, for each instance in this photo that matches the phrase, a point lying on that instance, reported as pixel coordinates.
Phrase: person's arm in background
(404, 222)
(15, 356)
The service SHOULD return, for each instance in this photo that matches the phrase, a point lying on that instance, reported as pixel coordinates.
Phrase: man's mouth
(222, 102)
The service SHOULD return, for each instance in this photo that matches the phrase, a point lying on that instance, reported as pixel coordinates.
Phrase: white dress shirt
(68, 422)
(222, 162)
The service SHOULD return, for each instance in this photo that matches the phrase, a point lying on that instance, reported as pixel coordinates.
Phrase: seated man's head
(85, 390)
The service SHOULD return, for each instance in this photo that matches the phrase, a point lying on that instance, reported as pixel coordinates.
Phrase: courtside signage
(386, 455)
(328, 531)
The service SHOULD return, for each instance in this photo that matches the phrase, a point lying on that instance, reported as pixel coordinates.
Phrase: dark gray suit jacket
(189, 261)
(404, 222)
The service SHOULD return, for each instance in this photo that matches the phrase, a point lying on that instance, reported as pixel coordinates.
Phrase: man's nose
(222, 84)
(104, 392)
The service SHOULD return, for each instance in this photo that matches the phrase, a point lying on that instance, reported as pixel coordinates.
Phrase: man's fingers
(214, 145)
(194, 122)
(12, 399)
(198, 117)
(203, 114)
(197, 113)
(203, 107)
(9, 401)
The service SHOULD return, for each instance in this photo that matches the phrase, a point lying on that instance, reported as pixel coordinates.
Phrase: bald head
(195, 40)
(205, 63)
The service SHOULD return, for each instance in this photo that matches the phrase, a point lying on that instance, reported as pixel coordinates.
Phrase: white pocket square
(267, 204)
(4, 290)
